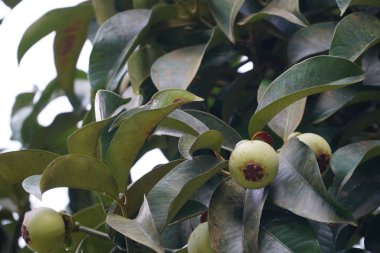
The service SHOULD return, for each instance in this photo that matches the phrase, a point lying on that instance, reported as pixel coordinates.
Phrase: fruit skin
(253, 164)
(199, 240)
(320, 148)
(43, 229)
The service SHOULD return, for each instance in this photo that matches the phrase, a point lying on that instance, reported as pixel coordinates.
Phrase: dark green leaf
(17, 165)
(282, 233)
(126, 144)
(372, 235)
(230, 136)
(141, 229)
(81, 172)
(311, 76)
(178, 68)
(325, 236)
(344, 4)
(141, 187)
(287, 9)
(299, 188)
(173, 190)
(354, 34)
(310, 40)
(107, 103)
(346, 159)
(85, 141)
(225, 12)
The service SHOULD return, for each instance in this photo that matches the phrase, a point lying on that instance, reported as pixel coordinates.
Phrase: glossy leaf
(85, 141)
(15, 166)
(173, 190)
(234, 217)
(287, 120)
(310, 40)
(371, 65)
(81, 172)
(299, 188)
(346, 159)
(325, 236)
(157, 14)
(125, 145)
(140, 63)
(354, 34)
(110, 40)
(372, 235)
(141, 229)
(286, 9)
(230, 136)
(188, 144)
(344, 4)
(225, 12)
(178, 68)
(287, 233)
(107, 104)
(32, 186)
(311, 76)
(141, 187)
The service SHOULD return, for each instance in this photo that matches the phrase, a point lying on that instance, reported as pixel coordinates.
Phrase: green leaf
(287, 233)
(225, 12)
(287, 120)
(141, 229)
(309, 77)
(325, 235)
(188, 144)
(85, 141)
(354, 34)
(178, 68)
(344, 4)
(234, 217)
(372, 234)
(141, 187)
(159, 12)
(15, 166)
(111, 38)
(361, 193)
(287, 9)
(346, 159)
(126, 144)
(51, 21)
(81, 172)
(68, 43)
(140, 63)
(107, 104)
(230, 136)
(299, 181)
(310, 40)
(173, 190)
(32, 185)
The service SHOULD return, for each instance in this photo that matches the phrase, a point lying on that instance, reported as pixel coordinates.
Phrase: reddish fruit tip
(323, 162)
(263, 136)
(204, 217)
(253, 172)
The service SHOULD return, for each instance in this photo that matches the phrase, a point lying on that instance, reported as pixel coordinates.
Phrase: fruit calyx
(253, 172)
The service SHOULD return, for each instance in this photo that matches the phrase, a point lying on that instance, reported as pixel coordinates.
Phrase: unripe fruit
(320, 148)
(253, 164)
(43, 229)
(199, 240)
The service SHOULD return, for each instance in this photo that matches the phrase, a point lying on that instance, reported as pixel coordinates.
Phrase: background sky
(34, 72)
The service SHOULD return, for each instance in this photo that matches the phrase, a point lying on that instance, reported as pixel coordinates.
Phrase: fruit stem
(225, 173)
(90, 231)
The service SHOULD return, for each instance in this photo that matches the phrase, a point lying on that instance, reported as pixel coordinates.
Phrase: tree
(175, 75)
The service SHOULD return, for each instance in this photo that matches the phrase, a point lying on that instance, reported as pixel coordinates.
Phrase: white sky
(15, 79)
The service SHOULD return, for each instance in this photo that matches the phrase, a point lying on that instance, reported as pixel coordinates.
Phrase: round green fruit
(253, 164)
(43, 230)
(320, 148)
(199, 240)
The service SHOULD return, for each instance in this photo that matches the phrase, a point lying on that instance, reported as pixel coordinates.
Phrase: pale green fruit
(199, 240)
(253, 164)
(43, 230)
(320, 148)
